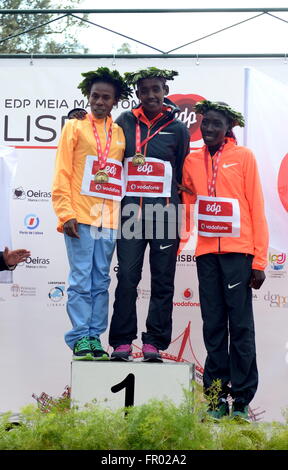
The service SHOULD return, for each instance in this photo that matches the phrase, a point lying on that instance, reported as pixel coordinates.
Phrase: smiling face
(214, 127)
(102, 99)
(151, 93)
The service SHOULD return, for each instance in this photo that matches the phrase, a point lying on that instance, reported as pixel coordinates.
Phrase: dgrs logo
(31, 221)
(276, 300)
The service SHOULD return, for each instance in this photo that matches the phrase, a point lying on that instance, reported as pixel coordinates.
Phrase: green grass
(157, 425)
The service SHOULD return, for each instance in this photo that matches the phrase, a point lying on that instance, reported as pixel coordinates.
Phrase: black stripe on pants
(228, 324)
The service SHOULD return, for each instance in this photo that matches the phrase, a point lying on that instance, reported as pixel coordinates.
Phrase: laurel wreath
(106, 75)
(237, 119)
(132, 78)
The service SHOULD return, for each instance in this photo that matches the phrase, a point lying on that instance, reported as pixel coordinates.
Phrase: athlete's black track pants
(228, 325)
(162, 259)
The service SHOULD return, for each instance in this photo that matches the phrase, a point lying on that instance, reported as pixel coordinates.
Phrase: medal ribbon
(211, 184)
(102, 156)
(138, 143)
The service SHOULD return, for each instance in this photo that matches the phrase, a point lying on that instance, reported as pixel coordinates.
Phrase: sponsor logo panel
(56, 294)
(277, 265)
(31, 222)
(187, 114)
(276, 300)
(31, 195)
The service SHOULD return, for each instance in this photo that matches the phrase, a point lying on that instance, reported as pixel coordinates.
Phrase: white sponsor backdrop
(34, 103)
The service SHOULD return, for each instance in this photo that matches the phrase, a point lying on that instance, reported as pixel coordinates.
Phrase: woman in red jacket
(231, 254)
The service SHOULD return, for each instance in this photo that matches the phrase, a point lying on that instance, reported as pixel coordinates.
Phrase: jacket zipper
(103, 201)
(219, 247)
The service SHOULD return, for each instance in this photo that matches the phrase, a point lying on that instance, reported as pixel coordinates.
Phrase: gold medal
(138, 159)
(101, 177)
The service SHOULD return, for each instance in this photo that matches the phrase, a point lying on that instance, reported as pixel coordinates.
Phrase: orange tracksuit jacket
(76, 142)
(237, 178)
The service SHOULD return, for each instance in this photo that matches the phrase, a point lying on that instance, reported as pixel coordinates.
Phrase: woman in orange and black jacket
(231, 254)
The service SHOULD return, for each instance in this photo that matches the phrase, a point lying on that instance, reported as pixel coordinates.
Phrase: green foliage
(125, 48)
(213, 394)
(105, 75)
(236, 119)
(157, 425)
(166, 426)
(132, 78)
(55, 38)
(279, 437)
(234, 436)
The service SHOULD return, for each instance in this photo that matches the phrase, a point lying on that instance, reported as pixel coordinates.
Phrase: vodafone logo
(283, 182)
(187, 294)
(187, 114)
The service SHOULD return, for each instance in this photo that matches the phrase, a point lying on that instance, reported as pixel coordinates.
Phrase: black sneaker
(98, 352)
(82, 350)
(123, 352)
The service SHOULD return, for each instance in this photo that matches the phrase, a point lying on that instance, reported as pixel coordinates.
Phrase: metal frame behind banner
(73, 13)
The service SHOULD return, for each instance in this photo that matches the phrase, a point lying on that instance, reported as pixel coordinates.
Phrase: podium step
(119, 384)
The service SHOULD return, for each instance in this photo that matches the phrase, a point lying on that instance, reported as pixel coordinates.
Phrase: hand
(71, 228)
(181, 188)
(257, 279)
(14, 257)
(77, 113)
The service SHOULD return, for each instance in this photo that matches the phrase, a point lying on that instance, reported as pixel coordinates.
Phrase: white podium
(119, 384)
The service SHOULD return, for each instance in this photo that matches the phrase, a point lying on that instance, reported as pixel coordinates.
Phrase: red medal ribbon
(138, 143)
(102, 156)
(211, 184)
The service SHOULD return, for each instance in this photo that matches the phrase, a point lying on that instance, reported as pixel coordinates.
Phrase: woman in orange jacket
(231, 252)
